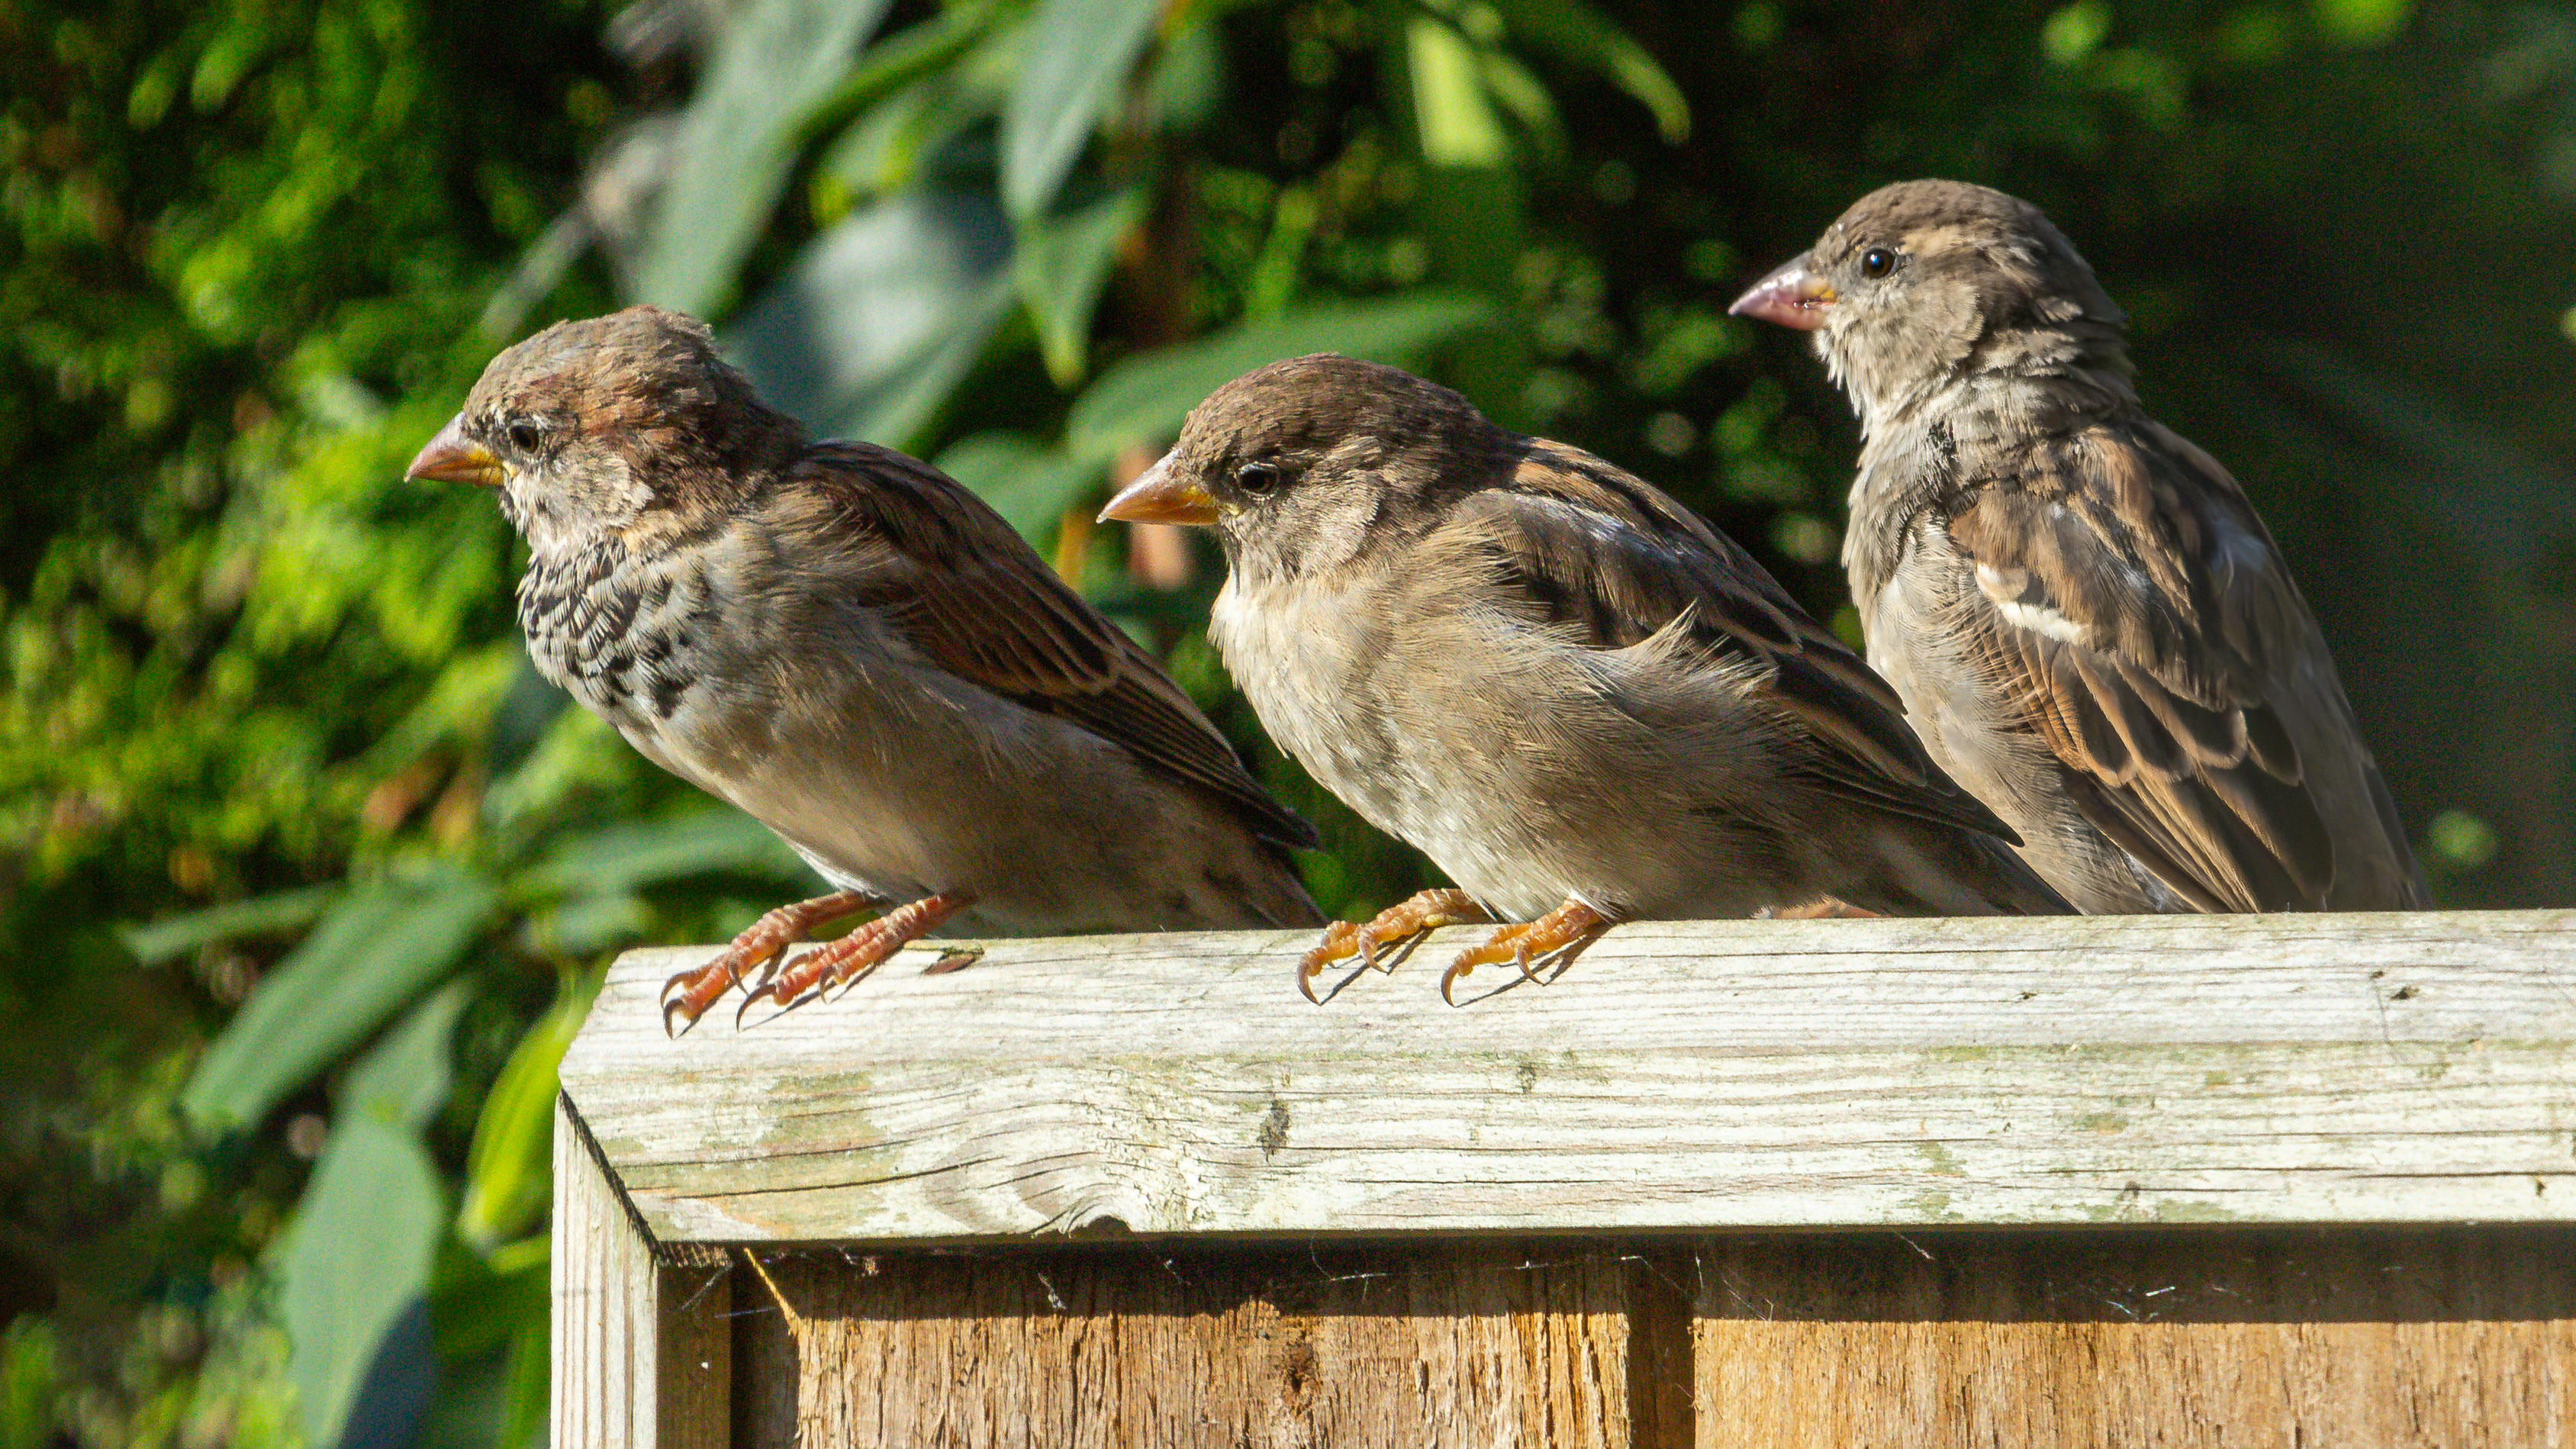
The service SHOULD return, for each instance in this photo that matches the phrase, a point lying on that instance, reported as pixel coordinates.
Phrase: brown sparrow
(2091, 629)
(859, 653)
(1582, 702)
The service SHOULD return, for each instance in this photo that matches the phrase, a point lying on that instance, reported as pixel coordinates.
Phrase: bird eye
(524, 435)
(1258, 479)
(1878, 262)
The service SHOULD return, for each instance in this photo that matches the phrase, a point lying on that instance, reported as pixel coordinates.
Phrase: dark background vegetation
(307, 878)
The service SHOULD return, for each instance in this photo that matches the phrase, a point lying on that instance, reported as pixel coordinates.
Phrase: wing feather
(1608, 555)
(976, 601)
(2139, 603)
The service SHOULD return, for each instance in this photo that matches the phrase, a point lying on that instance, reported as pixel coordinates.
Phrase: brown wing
(2140, 608)
(979, 603)
(1608, 554)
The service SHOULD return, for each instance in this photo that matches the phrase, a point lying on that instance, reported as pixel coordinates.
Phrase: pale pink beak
(1792, 296)
(1157, 497)
(451, 457)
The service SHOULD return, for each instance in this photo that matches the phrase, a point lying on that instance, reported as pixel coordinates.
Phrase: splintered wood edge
(1677, 1077)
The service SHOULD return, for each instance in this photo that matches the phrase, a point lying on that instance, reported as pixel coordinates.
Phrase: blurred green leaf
(262, 916)
(372, 953)
(1062, 264)
(509, 1170)
(877, 321)
(1576, 33)
(30, 1380)
(405, 1080)
(773, 62)
(624, 858)
(898, 61)
(1144, 399)
(1077, 68)
(1453, 122)
(1029, 485)
(354, 1273)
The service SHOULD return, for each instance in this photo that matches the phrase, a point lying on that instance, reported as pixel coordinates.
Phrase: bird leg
(754, 948)
(838, 963)
(1567, 925)
(1403, 921)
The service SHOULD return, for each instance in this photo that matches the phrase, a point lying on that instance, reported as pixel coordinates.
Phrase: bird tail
(1930, 870)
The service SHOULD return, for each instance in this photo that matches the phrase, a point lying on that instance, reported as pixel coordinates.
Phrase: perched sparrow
(1555, 680)
(2090, 627)
(860, 654)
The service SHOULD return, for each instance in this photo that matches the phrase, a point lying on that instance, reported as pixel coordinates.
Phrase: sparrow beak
(1157, 497)
(452, 458)
(1791, 296)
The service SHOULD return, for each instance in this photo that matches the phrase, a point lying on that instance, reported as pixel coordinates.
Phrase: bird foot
(1398, 923)
(759, 946)
(842, 962)
(1570, 924)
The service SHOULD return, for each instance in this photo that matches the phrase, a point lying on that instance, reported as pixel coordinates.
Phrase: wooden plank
(643, 1354)
(1679, 1076)
(1489, 1344)
(2215, 1339)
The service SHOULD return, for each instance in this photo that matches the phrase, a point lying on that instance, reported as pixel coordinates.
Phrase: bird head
(1302, 464)
(598, 426)
(1923, 283)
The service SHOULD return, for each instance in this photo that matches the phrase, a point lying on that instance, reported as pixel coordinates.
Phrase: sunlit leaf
(1576, 33)
(1029, 485)
(1062, 263)
(1454, 122)
(354, 1274)
(1070, 80)
(883, 314)
(509, 1169)
(261, 916)
(775, 60)
(370, 954)
(1144, 399)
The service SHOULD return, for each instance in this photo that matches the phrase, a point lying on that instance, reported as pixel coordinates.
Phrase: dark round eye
(524, 435)
(1258, 479)
(1877, 262)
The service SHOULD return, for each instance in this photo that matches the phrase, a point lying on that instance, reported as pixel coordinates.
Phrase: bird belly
(1508, 763)
(902, 780)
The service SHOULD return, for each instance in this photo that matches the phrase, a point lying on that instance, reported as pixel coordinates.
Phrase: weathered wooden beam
(2404, 1338)
(1678, 1077)
(1468, 1344)
(643, 1350)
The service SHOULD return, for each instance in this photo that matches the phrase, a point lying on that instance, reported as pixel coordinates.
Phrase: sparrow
(855, 650)
(1582, 702)
(2091, 629)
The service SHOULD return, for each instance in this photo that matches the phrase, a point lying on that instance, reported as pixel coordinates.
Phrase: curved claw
(1336, 946)
(1449, 979)
(748, 997)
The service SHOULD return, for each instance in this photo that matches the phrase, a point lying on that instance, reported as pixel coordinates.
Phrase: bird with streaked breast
(859, 653)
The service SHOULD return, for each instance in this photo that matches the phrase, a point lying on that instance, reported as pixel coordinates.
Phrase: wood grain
(642, 1347)
(1679, 1076)
(1477, 1346)
(2214, 1339)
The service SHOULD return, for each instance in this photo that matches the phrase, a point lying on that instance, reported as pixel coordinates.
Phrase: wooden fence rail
(2288, 1180)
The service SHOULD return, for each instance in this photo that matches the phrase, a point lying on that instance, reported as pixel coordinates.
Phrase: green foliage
(310, 880)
